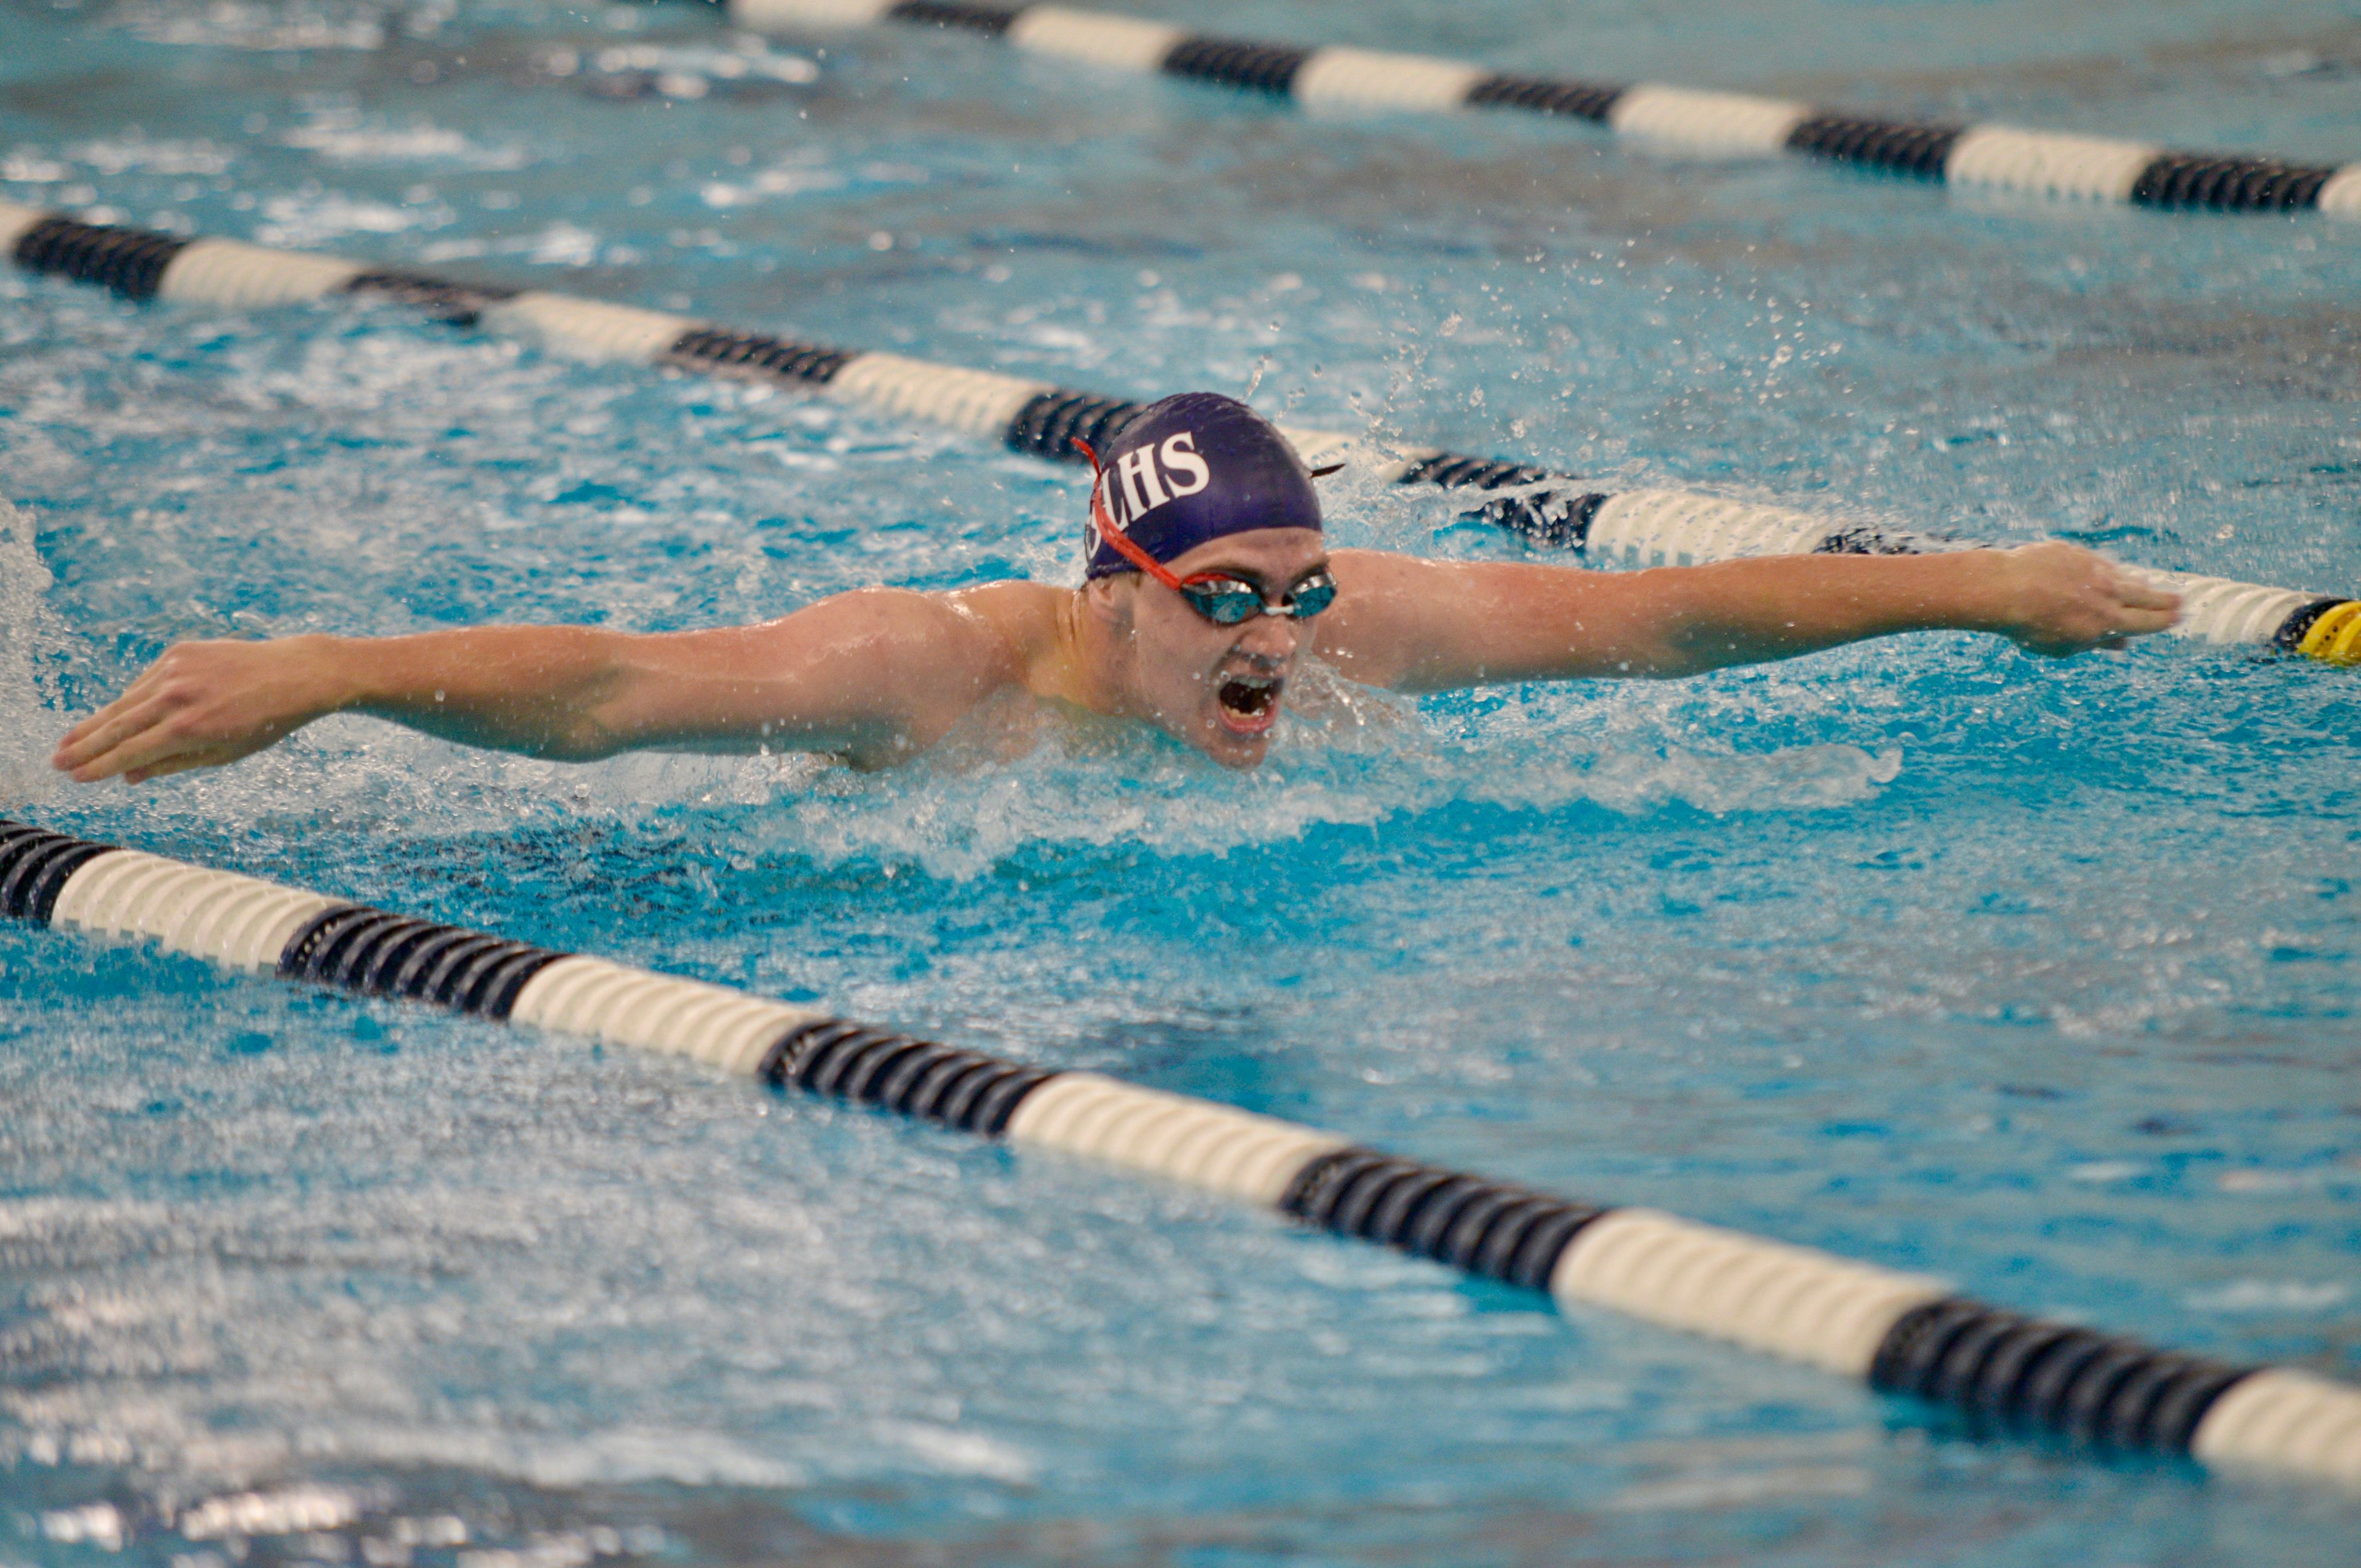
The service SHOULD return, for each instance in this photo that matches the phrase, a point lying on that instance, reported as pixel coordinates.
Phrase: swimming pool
(2039, 977)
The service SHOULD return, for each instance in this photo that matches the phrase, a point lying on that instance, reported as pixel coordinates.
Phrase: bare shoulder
(1384, 603)
(878, 675)
(900, 625)
(921, 656)
(1024, 619)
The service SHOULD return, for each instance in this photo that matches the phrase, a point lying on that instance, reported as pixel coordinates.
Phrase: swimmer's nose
(1271, 637)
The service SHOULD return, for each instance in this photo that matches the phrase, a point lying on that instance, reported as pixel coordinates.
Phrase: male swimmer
(1207, 584)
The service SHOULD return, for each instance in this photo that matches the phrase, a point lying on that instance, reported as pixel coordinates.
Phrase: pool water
(2038, 976)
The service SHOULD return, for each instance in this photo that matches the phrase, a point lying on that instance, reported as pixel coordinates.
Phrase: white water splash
(30, 633)
(1352, 758)
(229, 24)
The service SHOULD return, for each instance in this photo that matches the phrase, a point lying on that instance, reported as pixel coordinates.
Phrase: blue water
(2038, 976)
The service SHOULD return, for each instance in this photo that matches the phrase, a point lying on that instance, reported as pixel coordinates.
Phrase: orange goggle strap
(1124, 545)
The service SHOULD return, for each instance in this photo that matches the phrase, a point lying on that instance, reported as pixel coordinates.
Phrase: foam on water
(1362, 762)
(32, 638)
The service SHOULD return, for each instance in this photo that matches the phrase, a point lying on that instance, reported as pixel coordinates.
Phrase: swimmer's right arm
(870, 675)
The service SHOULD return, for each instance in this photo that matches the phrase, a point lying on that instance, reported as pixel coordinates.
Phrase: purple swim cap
(1195, 467)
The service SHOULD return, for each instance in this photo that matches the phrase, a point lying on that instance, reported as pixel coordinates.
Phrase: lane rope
(1627, 527)
(1902, 1333)
(2050, 164)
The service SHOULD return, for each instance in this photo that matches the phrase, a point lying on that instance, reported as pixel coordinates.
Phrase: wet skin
(878, 676)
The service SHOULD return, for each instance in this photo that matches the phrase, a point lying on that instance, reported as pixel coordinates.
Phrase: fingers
(138, 750)
(2140, 594)
(2144, 623)
(2096, 603)
(85, 752)
(187, 762)
(72, 745)
(201, 705)
(2111, 635)
(80, 743)
(2125, 624)
(129, 699)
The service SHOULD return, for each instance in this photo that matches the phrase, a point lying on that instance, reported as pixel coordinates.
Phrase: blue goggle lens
(1227, 602)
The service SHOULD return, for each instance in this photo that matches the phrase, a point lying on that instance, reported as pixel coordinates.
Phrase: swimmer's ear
(1102, 598)
(1323, 472)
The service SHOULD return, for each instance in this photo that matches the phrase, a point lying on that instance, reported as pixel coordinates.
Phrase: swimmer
(1206, 586)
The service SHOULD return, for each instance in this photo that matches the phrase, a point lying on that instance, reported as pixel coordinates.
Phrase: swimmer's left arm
(1433, 626)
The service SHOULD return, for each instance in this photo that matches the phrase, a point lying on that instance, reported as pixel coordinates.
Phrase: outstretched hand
(201, 705)
(2058, 600)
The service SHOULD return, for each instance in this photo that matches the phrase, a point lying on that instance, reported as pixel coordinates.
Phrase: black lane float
(1902, 1333)
(2050, 163)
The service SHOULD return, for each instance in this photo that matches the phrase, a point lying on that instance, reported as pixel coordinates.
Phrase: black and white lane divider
(1639, 527)
(1723, 124)
(1902, 1333)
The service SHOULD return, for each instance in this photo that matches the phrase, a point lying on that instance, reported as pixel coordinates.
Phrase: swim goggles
(1219, 596)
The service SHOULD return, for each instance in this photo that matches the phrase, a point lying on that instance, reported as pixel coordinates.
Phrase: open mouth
(1249, 704)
